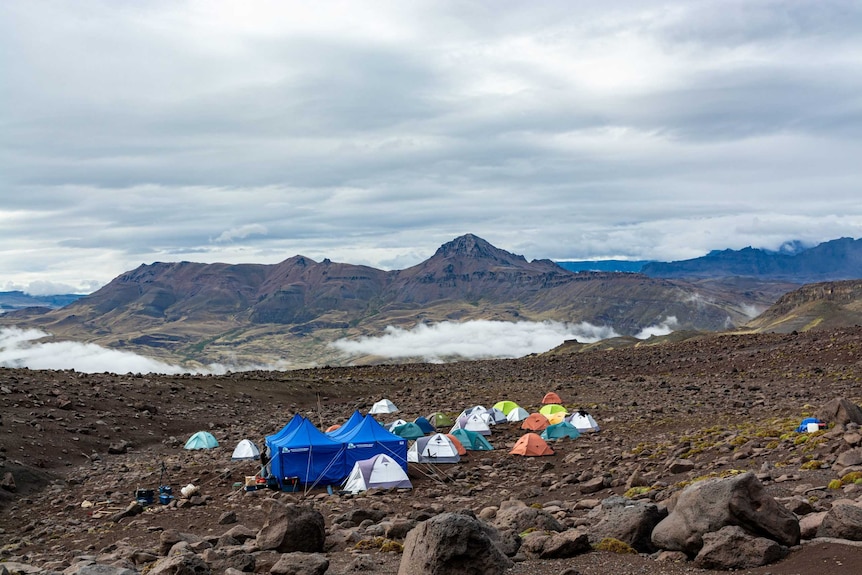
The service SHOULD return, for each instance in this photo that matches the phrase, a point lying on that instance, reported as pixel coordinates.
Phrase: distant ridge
(834, 260)
(257, 313)
(825, 305)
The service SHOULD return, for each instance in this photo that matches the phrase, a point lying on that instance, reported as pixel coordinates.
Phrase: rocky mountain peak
(471, 246)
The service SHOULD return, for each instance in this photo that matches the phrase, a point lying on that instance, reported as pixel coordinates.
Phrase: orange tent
(535, 422)
(551, 397)
(458, 445)
(332, 428)
(531, 445)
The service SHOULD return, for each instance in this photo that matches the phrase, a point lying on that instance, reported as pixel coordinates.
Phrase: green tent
(439, 419)
(201, 440)
(560, 430)
(408, 431)
(471, 440)
(552, 408)
(506, 406)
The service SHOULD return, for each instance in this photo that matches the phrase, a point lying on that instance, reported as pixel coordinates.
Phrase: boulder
(170, 537)
(732, 547)
(809, 524)
(452, 544)
(298, 563)
(180, 564)
(518, 517)
(843, 521)
(841, 411)
(709, 505)
(8, 482)
(289, 528)
(557, 546)
(629, 521)
(98, 569)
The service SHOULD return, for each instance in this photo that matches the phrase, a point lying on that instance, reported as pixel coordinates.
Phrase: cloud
(251, 133)
(477, 339)
(241, 233)
(662, 328)
(22, 348)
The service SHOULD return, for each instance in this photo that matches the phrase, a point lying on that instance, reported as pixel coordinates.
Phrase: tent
(424, 424)
(551, 397)
(394, 424)
(245, 449)
(458, 445)
(201, 440)
(378, 472)
(535, 422)
(369, 438)
(408, 431)
(289, 428)
(331, 428)
(531, 445)
(437, 448)
(473, 422)
(810, 424)
(583, 421)
(555, 418)
(517, 414)
(383, 406)
(477, 409)
(345, 428)
(560, 430)
(552, 408)
(439, 419)
(496, 416)
(472, 440)
(307, 456)
(505, 406)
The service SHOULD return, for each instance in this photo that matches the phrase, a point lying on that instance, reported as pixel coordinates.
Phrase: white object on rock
(189, 490)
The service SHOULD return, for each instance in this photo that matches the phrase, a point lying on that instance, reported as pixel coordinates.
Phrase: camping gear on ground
(201, 440)
(471, 440)
(551, 397)
(437, 448)
(145, 496)
(189, 490)
(378, 472)
(166, 494)
(583, 421)
(245, 450)
(424, 424)
(531, 445)
(505, 406)
(535, 422)
(552, 408)
(408, 431)
(810, 425)
(472, 422)
(383, 406)
(517, 414)
(439, 419)
(560, 430)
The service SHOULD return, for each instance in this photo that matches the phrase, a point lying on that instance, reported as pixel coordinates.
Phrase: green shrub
(614, 546)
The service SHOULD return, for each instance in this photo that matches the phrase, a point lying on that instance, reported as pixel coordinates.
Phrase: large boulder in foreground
(517, 516)
(707, 506)
(452, 544)
(732, 548)
(290, 528)
(843, 521)
(840, 411)
(629, 521)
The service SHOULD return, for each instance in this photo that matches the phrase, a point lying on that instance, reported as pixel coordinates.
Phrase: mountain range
(262, 314)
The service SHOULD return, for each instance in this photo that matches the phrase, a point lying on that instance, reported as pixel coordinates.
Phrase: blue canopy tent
(307, 456)
(354, 420)
(370, 438)
(289, 428)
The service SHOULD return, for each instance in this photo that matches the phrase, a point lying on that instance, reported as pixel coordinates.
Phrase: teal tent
(408, 431)
(560, 430)
(471, 440)
(201, 440)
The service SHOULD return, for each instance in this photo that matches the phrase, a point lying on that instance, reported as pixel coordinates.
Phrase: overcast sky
(373, 132)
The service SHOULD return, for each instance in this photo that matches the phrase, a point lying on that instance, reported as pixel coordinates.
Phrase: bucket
(145, 496)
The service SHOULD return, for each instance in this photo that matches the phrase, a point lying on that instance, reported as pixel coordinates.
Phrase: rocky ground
(75, 447)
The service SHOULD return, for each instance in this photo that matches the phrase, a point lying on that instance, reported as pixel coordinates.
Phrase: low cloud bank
(665, 327)
(21, 348)
(478, 339)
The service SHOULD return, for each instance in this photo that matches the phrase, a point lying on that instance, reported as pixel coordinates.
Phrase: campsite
(80, 446)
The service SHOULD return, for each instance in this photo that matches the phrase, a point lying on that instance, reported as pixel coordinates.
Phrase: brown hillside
(825, 305)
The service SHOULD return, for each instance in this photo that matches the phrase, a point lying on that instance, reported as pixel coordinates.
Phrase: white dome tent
(383, 406)
(244, 450)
